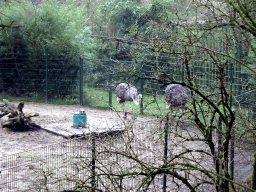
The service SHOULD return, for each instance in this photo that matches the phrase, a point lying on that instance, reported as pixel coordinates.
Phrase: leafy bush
(53, 34)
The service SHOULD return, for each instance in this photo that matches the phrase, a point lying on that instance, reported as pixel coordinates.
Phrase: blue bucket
(79, 120)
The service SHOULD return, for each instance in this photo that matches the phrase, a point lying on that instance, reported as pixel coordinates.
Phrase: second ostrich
(125, 92)
(175, 96)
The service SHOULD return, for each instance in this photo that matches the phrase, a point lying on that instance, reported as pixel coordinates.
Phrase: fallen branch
(13, 117)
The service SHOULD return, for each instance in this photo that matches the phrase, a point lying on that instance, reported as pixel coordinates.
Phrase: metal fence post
(232, 155)
(219, 133)
(219, 141)
(110, 97)
(165, 149)
(93, 162)
(109, 86)
(141, 90)
(81, 81)
(46, 76)
(231, 165)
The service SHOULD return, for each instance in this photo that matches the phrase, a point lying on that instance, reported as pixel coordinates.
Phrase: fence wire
(42, 169)
(108, 163)
(116, 162)
(47, 78)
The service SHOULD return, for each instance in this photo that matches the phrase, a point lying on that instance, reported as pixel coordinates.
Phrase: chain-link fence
(115, 163)
(86, 81)
(42, 169)
(121, 161)
(43, 77)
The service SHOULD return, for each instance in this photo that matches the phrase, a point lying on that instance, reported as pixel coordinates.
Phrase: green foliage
(96, 98)
(54, 26)
(52, 34)
(115, 17)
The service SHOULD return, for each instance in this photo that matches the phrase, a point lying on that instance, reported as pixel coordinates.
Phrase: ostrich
(175, 96)
(125, 92)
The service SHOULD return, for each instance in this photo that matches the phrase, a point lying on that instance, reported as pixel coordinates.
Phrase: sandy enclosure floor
(15, 141)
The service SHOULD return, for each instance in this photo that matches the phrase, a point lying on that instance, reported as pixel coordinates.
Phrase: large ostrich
(175, 96)
(125, 92)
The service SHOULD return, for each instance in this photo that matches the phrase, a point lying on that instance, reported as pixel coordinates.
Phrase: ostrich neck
(137, 101)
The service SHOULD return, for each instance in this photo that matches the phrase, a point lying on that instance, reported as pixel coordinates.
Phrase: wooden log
(20, 106)
(32, 124)
(9, 107)
(13, 114)
(4, 119)
(7, 124)
(31, 115)
(13, 117)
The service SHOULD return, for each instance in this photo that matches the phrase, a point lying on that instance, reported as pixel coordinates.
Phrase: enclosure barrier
(41, 169)
(91, 163)
(47, 78)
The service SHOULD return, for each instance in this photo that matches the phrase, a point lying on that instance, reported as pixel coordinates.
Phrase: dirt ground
(13, 142)
(17, 141)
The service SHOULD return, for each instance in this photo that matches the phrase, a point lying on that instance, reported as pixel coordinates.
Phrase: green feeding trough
(82, 126)
(80, 119)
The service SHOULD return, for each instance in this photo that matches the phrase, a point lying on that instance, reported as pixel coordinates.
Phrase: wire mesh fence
(101, 163)
(42, 169)
(41, 76)
(48, 78)
(115, 163)
(123, 161)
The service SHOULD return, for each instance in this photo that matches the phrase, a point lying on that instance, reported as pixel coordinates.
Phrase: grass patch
(65, 101)
(39, 99)
(12, 98)
(98, 98)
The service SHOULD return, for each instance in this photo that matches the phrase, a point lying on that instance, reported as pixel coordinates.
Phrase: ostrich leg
(125, 112)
